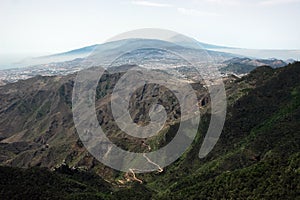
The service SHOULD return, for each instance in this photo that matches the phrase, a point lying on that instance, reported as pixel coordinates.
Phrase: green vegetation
(238, 68)
(39, 183)
(257, 156)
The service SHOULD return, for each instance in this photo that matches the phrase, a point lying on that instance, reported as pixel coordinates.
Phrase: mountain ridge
(259, 143)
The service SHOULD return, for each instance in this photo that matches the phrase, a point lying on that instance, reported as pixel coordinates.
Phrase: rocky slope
(37, 127)
(257, 156)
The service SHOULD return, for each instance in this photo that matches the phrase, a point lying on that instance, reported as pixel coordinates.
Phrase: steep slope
(35, 115)
(37, 126)
(39, 183)
(257, 156)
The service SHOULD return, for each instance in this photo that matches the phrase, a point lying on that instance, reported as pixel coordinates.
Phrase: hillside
(256, 157)
(246, 65)
(37, 126)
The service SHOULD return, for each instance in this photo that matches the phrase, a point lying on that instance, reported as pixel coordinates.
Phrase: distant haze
(265, 54)
(54, 26)
(108, 49)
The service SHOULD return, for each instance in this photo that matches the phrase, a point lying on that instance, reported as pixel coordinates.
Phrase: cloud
(150, 4)
(196, 13)
(220, 2)
(225, 2)
(277, 2)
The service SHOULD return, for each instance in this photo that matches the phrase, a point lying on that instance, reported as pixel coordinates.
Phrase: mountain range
(188, 45)
(111, 50)
(256, 157)
(175, 54)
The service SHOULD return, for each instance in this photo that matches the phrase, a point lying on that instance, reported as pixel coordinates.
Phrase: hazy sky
(50, 26)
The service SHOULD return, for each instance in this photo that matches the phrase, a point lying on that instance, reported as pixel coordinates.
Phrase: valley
(260, 140)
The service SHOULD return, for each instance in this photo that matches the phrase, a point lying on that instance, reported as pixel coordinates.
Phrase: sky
(35, 27)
